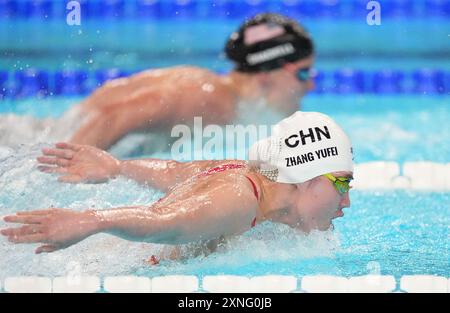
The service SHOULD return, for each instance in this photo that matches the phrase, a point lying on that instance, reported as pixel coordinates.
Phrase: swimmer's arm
(224, 210)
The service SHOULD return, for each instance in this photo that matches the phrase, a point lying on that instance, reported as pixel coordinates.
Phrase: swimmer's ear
(289, 67)
(264, 78)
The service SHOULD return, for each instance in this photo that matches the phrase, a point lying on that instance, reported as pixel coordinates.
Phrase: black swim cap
(290, 43)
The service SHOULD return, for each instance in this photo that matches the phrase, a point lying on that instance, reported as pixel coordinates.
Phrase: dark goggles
(305, 74)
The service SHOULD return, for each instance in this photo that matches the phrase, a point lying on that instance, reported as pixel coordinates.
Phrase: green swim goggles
(342, 184)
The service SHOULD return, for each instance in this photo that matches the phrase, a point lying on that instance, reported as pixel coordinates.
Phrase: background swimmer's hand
(56, 229)
(79, 163)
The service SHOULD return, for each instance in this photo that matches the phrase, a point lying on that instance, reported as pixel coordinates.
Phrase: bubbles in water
(5, 152)
(74, 273)
(267, 248)
(374, 268)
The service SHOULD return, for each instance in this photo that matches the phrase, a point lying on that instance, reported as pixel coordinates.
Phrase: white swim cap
(304, 146)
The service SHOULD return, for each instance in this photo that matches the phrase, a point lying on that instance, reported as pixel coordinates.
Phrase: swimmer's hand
(79, 163)
(55, 229)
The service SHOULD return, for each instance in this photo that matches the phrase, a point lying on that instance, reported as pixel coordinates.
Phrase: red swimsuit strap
(255, 191)
(230, 166)
(221, 168)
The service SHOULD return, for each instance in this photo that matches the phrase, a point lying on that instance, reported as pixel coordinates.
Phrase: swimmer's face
(284, 89)
(318, 203)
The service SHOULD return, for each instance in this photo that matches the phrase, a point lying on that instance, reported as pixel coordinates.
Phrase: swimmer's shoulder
(188, 75)
(203, 76)
(214, 89)
(195, 85)
(177, 71)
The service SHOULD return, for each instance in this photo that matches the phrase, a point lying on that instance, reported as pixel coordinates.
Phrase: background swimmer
(205, 200)
(273, 57)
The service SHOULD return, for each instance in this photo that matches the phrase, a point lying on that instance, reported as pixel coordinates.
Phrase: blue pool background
(387, 85)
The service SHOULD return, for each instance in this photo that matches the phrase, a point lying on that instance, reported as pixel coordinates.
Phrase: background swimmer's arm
(153, 102)
(222, 210)
(142, 108)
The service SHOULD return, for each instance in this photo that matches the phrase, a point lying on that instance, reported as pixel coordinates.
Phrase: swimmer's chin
(324, 228)
(329, 227)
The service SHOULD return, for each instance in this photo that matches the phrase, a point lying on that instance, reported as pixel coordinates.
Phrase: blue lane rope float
(3, 81)
(70, 83)
(349, 81)
(31, 82)
(239, 9)
(429, 81)
(41, 83)
(388, 81)
(104, 75)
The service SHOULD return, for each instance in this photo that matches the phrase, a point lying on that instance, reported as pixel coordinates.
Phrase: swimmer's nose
(345, 202)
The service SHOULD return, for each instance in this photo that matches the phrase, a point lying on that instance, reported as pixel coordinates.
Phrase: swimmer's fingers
(70, 146)
(24, 219)
(60, 153)
(22, 231)
(35, 238)
(46, 249)
(52, 169)
(53, 161)
(71, 179)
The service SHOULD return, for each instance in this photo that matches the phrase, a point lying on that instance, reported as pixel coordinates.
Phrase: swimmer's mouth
(339, 213)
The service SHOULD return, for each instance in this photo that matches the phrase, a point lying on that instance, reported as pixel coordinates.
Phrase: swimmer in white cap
(299, 176)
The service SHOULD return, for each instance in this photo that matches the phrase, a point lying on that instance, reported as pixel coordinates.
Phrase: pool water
(384, 232)
(396, 44)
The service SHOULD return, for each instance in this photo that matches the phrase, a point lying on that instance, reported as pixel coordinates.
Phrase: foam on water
(23, 188)
(267, 248)
(16, 130)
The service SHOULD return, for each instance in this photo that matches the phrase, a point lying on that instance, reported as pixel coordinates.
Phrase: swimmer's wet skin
(272, 55)
(205, 200)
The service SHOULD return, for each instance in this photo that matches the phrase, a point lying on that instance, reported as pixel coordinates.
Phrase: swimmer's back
(194, 91)
(210, 178)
